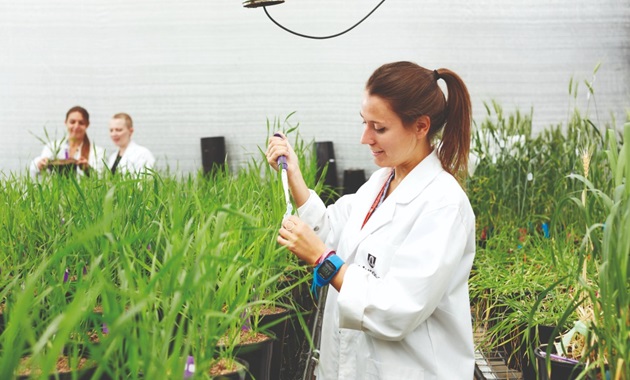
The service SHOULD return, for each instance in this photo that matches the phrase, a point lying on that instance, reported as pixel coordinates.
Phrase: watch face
(326, 270)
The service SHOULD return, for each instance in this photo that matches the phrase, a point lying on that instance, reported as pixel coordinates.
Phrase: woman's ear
(422, 126)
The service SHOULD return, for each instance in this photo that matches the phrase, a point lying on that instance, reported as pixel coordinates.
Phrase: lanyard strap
(379, 198)
(115, 165)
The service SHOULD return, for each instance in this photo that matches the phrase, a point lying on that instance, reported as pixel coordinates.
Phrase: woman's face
(76, 125)
(120, 133)
(392, 144)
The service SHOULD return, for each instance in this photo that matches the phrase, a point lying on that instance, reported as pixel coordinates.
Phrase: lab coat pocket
(375, 370)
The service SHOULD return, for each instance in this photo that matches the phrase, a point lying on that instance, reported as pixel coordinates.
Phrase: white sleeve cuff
(352, 298)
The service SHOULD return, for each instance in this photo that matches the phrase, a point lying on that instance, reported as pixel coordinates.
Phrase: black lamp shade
(260, 3)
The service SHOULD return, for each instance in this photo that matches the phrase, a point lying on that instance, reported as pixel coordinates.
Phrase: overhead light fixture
(265, 3)
(260, 3)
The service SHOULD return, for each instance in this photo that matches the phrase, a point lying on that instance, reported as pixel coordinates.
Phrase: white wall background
(189, 69)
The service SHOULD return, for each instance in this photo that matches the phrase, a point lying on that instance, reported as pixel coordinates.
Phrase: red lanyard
(379, 198)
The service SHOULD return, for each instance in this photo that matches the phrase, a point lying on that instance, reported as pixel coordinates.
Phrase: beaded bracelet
(323, 257)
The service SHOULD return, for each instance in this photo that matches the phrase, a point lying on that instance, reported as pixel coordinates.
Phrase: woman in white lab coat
(130, 157)
(398, 253)
(75, 151)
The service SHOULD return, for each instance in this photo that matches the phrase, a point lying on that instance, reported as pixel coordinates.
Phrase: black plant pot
(558, 370)
(212, 154)
(279, 321)
(515, 348)
(258, 355)
(299, 295)
(326, 160)
(296, 344)
(542, 335)
(353, 180)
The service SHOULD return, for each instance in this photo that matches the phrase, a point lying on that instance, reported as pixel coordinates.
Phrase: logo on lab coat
(371, 259)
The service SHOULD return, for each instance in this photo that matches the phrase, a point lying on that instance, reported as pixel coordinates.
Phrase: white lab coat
(135, 159)
(403, 312)
(96, 157)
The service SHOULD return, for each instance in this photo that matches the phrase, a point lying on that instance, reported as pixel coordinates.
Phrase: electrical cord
(323, 37)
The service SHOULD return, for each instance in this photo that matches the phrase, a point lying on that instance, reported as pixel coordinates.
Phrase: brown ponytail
(455, 144)
(85, 148)
(413, 91)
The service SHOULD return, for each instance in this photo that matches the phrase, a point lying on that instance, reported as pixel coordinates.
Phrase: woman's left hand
(300, 239)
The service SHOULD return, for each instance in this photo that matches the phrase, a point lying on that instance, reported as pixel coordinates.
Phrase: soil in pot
(220, 369)
(65, 366)
(90, 337)
(227, 369)
(257, 350)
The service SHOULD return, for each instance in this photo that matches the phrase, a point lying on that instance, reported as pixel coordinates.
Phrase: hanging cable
(323, 37)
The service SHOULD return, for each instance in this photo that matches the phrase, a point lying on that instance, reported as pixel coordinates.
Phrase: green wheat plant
(142, 272)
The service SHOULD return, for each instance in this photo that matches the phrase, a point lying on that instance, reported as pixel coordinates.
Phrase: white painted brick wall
(191, 69)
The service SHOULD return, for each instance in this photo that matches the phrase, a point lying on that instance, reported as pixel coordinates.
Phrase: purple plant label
(84, 270)
(105, 329)
(189, 369)
(65, 275)
(561, 358)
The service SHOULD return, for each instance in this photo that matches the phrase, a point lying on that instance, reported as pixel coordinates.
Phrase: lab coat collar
(130, 147)
(410, 187)
(418, 179)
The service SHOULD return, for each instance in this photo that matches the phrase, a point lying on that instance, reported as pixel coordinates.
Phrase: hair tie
(436, 75)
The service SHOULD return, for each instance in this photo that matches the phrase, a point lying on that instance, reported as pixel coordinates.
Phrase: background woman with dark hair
(76, 148)
(397, 253)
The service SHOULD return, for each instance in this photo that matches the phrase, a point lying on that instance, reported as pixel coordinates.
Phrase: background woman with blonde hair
(130, 157)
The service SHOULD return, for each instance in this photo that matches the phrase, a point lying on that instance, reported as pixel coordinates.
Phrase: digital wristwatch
(324, 272)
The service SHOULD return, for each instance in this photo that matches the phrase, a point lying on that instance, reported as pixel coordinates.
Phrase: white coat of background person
(130, 157)
(400, 250)
(76, 146)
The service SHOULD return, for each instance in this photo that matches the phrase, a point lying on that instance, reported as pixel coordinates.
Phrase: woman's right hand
(279, 146)
(42, 163)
